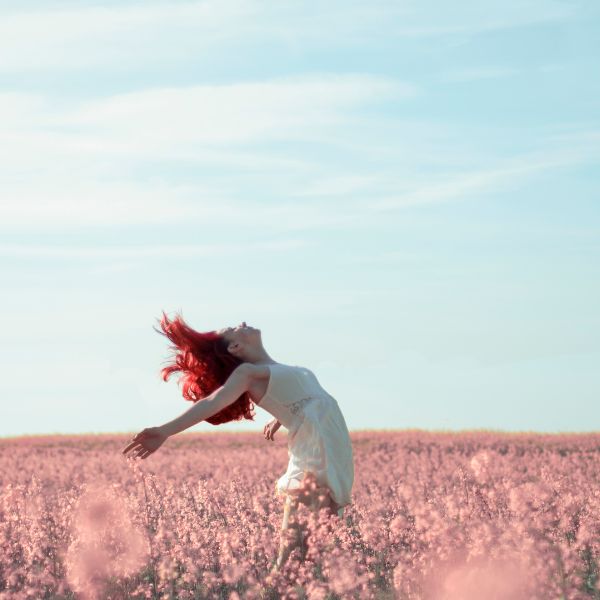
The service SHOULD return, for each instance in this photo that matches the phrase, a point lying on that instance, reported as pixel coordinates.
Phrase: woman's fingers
(269, 431)
(131, 446)
(142, 453)
(134, 447)
(137, 449)
(135, 441)
(141, 435)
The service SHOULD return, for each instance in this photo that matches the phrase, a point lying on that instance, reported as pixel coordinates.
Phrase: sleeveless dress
(318, 438)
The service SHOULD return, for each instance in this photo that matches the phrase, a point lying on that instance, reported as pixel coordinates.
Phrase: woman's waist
(314, 398)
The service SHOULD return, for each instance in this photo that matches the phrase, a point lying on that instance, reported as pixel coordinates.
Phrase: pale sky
(403, 196)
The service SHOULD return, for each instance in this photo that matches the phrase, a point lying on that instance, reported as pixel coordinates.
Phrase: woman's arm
(237, 383)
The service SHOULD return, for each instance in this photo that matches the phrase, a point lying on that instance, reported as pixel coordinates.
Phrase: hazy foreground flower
(105, 543)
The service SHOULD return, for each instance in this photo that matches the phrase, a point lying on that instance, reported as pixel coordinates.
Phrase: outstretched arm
(150, 439)
(237, 383)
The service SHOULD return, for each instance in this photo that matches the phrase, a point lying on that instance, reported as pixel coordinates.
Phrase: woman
(225, 372)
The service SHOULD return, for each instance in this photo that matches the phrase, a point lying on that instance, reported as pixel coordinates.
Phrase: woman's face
(242, 333)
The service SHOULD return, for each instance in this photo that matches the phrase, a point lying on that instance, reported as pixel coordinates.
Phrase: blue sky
(402, 196)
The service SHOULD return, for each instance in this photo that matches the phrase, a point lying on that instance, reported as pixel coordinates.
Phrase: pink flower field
(440, 516)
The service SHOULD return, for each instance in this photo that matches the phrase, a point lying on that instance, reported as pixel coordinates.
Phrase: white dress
(318, 438)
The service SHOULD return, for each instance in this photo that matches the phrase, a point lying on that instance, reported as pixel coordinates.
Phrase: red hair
(205, 364)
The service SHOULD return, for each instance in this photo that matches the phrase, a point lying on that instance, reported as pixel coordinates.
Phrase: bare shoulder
(256, 372)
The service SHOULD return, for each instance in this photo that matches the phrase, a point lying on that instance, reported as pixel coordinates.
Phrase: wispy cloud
(432, 18)
(70, 166)
(476, 73)
(120, 34)
(280, 109)
(387, 189)
(338, 185)
(64, 204)
(178, 251)
(124, 35)
(504, 175)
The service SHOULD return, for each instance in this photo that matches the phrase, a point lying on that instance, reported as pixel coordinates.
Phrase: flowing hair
(205, 364)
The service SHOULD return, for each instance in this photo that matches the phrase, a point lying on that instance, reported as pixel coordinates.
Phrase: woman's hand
(146, 442)
(270, 428)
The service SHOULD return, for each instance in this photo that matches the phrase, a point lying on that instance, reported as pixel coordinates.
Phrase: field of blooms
(436, 516)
